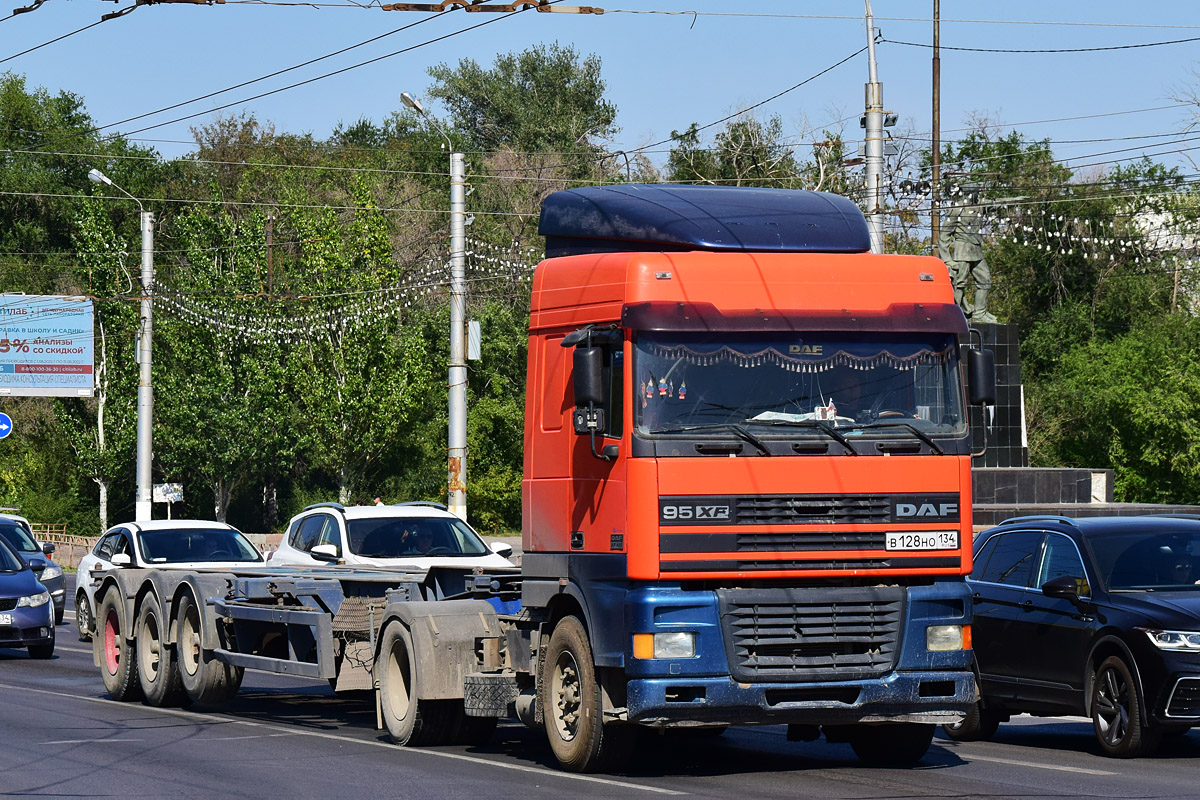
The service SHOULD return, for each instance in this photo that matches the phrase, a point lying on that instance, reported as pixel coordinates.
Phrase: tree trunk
(222, 495)
(103, 484)
(343, 488)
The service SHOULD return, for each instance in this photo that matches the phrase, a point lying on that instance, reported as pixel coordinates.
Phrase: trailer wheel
(83, 618)
(411, 722)
(472, 731)
(572, 706)
(158, 670)
(118, 666)
(206, 682)
(893, 744)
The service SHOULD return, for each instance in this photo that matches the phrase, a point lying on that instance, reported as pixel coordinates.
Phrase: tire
(84, 622)
(894, 744)
(572, 706)
(43, 652)
(158, 670)
(59, 613)
(979, 725)
(206, 682)
(1117, 712)
(118, 666)
(410, 722)
(472, 731)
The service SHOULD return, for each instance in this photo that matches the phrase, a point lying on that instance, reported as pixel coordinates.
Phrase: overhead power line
(1056, 50)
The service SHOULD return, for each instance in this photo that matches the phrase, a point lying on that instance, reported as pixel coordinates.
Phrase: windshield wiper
(920, 434)
(733, 427)
(819, 424)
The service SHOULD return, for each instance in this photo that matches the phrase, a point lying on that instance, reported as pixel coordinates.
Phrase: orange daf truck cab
(746, 494)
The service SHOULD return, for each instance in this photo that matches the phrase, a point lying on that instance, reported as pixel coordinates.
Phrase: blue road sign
(5, 425)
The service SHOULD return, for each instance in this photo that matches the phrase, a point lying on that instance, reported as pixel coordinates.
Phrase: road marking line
(236, 738)
(1014, 762)
(87, 741)
(193, 715)
(73, 649)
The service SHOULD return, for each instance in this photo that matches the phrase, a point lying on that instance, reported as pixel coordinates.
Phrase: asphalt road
(62, 737)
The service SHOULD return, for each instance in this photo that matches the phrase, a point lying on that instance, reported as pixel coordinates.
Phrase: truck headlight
(51, 571)
(1173, 640)
(677, 644)
(945, 638)
(33, 600)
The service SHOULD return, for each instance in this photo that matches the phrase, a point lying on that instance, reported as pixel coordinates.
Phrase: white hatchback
(417, 535)
(166, 544)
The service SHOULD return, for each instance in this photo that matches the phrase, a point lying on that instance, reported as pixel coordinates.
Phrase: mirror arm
(592, 433)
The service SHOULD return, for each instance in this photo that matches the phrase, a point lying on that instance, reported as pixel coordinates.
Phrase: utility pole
(874, 143)
(456, 451)
(143, 500)
(935, 160)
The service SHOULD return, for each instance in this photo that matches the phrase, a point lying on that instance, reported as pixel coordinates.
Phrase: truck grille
(804, 509)
(811, 634)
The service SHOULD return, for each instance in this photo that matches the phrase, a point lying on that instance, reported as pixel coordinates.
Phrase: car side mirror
(1063, 587)
(325, 552)
(503, 549)
(121, 560)
(47, 548)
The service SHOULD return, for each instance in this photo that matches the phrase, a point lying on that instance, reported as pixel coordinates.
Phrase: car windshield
(9, 560)
(1148, 559)
(195, 544)
(16, 535)
(867, 381)
(413, 537)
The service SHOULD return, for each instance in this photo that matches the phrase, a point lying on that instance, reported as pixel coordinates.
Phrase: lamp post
(457, 382)
(145, 395)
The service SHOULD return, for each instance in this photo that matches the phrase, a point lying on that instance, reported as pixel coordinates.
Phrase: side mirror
(325, 552)
(981, 377)
(501, 548)
(47, 547)
(586, 376)
(121, 560)
(1063, 587)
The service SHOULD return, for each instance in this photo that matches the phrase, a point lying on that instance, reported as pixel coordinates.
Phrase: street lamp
(145, 395)
(457, 434)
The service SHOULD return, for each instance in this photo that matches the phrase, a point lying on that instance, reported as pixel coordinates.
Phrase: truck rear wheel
(158, 671)
(118, 667)
(206, 682)
(894, 744)
(411, 722)
(573, 708)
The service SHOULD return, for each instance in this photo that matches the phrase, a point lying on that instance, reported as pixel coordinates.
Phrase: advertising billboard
(46, 346)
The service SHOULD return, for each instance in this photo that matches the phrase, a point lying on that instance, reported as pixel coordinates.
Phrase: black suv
(1096, 616)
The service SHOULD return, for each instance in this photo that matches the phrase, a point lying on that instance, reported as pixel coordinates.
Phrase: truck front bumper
(937, 697)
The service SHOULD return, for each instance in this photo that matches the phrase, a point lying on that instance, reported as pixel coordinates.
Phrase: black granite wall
(1004, 448)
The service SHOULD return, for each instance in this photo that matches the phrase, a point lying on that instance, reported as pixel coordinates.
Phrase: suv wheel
(1117, 712)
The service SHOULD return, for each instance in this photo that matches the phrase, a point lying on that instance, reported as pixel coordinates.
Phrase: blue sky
(663, 71)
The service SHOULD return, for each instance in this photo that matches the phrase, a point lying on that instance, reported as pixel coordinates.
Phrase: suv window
(1012, 560)
(309, 534)
(1060, 558)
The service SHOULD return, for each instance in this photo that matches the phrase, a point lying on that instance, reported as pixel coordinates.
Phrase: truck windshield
(783, 384)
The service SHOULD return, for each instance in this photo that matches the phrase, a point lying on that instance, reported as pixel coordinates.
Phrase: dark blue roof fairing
(657, 217)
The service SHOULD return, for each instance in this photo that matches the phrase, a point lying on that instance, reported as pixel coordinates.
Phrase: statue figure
(960, 245)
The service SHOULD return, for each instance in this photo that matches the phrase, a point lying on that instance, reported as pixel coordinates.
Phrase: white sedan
(167, 544)
(415, 535)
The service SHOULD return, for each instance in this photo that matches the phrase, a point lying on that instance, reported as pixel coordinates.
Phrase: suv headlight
(51, 571)
(1173, 640)
(33, 600)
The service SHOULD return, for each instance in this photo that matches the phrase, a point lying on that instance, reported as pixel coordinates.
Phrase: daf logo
(926, 509)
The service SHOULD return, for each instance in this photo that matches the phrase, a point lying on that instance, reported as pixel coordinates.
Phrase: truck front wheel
(410, 721)
(118, 667)
(573, 708)
(207, 682)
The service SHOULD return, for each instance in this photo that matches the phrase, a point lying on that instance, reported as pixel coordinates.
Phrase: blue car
(19, 534)
(26, 613)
